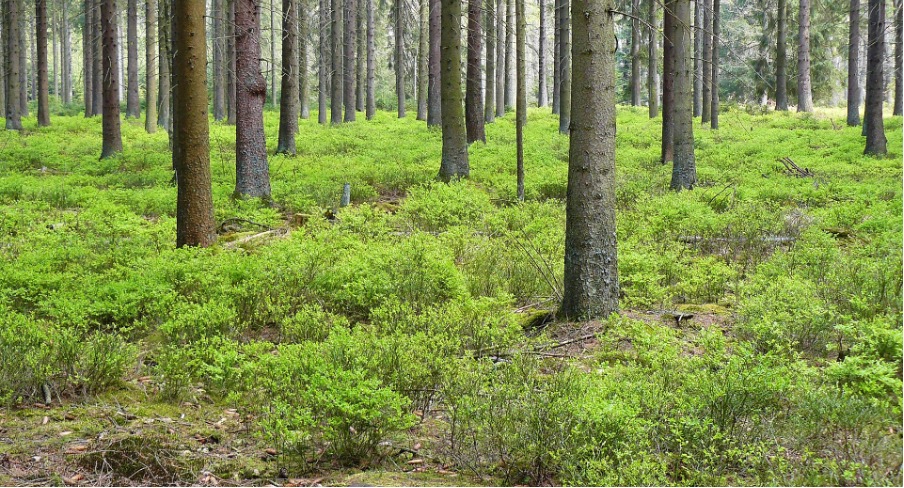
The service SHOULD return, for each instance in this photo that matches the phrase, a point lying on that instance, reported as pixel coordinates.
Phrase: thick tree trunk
(337, 72)
(323, 59)
(653, 60)
(876, 144)
(164, 114)
(591, 264)
(454, 164)
(714, 78)
(853, 79)
(564, 65)
(667, 153)
(699, 34)
(684, 168)
(899, 58)
(556, 69)
(219, 54)
(434, 103)
(542, 98)
(252, 177)
(804, 87)
(150, 19)
(11, 38)
(288, 98)
(521, 96)
(372, 64)
(230, 61)
(351, 43)
(398, 62)
(423, 46)
(781, 58)
(635, 53)
(304, 83)
(43, 83)
(112, 140)
(489, 101)
(473, 96)
(706, 62)
(133, 103)
(500, 58)
(191, 152)
(509, 54)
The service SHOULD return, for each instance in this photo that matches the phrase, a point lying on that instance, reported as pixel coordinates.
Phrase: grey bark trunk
(434, 103)
(781, 58)
(423, 47)
(699, 33)
(509, 54)
(714, 78)
(653, 60)
(133, 103)
(635, 53)
(684, 168)
(564, 65)
(876, 143)
(899, 58)
(323, 60)
(473, 96)
(371, 63)
(218, 40)
(43, 82)
(521, 95)
(351, 43)
(288, 99)
(304, 82)
(11, 37)
(454, 165)
(112, 140)
(667, 154)
(853, 80)
(337, 71)
(706, 62)
(489, 103)
(163, 27)
(804, 86)
(542, 97)
(500, 58)
(150, 53)
(399, 58)
(230, 62)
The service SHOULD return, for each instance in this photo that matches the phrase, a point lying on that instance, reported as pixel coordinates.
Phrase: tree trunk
(500, 58)
(230, 62)
(541, 59)
(876, 144)
(164, 115)
(88, 58)
(635, 53)
(714, 78)
(591, 264)
(360, 57)
(899, 58)
(150, 19)
(252, 177)
(556, 69)
(66, 54)
(454, 164)
(323, 60)
(434, 104)
(706, 62)
(3, 66)
(473, 96)
(668, 82)
(54, 77)
(112, 140)
(853, 80)
(98, 77)
(337, 71)
(133, 103)
(804, 87)
(489, 103)
(423, 46)
(781, 58)
(372, 64)
(350, 46)
(24, 74)
(509, 54)
(399, 59)
(11, 38)
(653, 66)
(273, 67)
(191, 152)
(521, 96)
(564, 66)
(699, 34)
(304, 87)
(43, 84)
(288, 98)
(684, 169)
(219, 53)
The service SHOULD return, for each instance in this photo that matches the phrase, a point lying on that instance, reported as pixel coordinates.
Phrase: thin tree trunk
(304, 83)
(707, 60)
(66, 54)
(54, 77)
(899, 58)
(251, 167)
(399, 58)
(541, 59)
(230, 62)
(565, 66)
(781, 58)
(454, 164)
(43, 85)
(804, 90)
(88, 58)
(11, 37)
(98, 76)
(150, 19)
(556, 68)
(876, 143)
(489, 103)
(853, 81)
(500, 58)
(361, 58)
(3, 66)
(434, 104)
(699, 34)
(371, 63)
(25, 74)
(473, 97)
(653, 66)
(635, 53)
(112, 140)
(133, 104)
(521, 97)
(273, 67)
(591, 260)
(337, 72)
(164, 115)
(714, 78)
(350, 46)
(684, 169)
(219, 55)
(191, 151)
(423, 46)
(509, 54)
(323, 62)
(288, 99)
(668, 82)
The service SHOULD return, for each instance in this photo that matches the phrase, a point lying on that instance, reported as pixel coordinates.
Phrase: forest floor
(410, 338)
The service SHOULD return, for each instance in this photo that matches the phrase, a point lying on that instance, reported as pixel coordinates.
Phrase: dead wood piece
(767, 239)
(244, 240)
(792, 169)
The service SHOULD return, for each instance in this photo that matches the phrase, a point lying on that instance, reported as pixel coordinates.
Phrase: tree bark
(371, 64)
(230, 62)
(43, 84)
(133, 103)
(288, 98)
(337, 71)
(66, 54)
(323, 59)
(454, 164)
(473, 96)
(564, 66)
(684, 168)
(489, 103)
(24, 74)
(112, 140)
(351, 44)
(423, 46)
(399, 58)
(706, 62)
(88, 58)
(509, 54)
(714, 78)
(521, 96)
(191, 151)
(164, 114)
(150, 19)
(853, 80)
(541, 59)
(98, 77)
(304, 83)
(11, 38)
(899, 58)
(653, 60)
(500, 58)
(556, 69)
(635, 53)
(273, 68)
(667, 153)
(781, 58)
(3, 66)
(876, 144)
(219, 55)
(591, 264)
(360, 57)
(434, 99)
(804, 86)
(251, 168)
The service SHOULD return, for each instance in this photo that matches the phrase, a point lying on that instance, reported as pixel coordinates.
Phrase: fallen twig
(238, 242)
